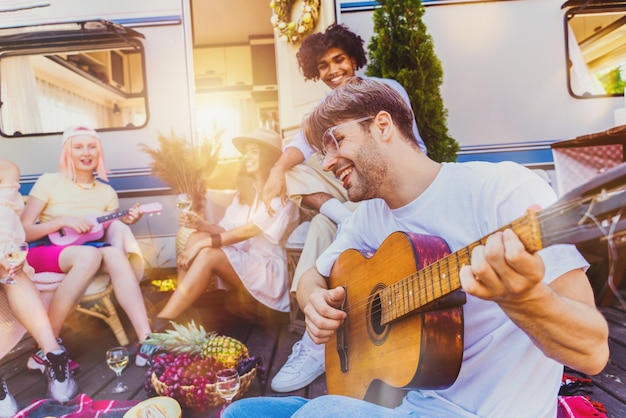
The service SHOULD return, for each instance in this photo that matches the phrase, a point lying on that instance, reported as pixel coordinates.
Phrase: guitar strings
(424, 281)
(429, 286)
(612, 252)
(608, 234)
(410, 301)
(405, 304)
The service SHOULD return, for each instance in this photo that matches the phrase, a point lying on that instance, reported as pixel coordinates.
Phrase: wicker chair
(96, 302)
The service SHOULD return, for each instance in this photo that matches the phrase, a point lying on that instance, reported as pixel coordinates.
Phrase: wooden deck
(87, 338)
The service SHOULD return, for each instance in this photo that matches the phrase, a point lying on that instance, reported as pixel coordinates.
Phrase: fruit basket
(186, 365)
(199, 397)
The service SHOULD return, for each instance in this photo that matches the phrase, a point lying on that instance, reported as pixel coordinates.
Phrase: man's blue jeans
(297, 407)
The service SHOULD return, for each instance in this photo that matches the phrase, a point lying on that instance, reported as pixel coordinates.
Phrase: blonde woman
(66, 200)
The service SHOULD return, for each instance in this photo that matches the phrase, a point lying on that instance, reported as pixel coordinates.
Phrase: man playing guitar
(529, 311)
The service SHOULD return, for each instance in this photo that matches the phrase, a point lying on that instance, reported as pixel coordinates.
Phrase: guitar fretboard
(442, 277)
(111, 216)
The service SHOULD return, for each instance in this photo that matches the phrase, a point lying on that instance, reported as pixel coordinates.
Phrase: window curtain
(65, 108)
(33, 105)
(20, 108)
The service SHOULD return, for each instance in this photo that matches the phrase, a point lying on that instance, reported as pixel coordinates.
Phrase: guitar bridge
(342, 342)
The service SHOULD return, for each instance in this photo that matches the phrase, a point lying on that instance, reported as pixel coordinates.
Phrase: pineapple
(192, 339)
(226, 350)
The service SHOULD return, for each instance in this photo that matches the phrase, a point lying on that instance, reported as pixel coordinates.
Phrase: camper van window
(596, 51)
(50, 80)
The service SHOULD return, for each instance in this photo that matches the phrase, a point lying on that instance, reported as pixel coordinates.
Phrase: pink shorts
(45, 258)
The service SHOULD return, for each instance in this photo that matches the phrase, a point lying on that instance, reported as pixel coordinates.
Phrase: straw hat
(78, 130)
(261, 136)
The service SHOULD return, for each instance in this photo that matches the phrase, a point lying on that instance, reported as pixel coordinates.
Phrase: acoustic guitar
(404, 326)
(69, 236)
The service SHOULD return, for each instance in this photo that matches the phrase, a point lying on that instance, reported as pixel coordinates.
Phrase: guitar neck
(442, 277)
(112, 216)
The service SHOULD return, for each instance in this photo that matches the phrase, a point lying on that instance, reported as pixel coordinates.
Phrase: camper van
(519, 76)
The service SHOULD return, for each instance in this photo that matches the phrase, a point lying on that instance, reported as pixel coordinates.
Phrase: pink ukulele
(68, 236)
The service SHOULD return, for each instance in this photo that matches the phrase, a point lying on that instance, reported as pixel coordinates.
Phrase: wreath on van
(294, 31)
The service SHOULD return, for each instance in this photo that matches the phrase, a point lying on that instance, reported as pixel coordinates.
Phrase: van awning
(609, 4)
(59, 37)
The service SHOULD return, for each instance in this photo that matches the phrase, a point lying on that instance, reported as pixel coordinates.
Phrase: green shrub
(402, 49)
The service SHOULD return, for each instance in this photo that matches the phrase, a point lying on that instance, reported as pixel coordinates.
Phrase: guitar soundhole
(377, 332)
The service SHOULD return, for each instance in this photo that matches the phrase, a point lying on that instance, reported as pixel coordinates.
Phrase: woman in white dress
(245, 250)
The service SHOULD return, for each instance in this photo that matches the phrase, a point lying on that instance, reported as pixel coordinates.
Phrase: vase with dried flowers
(183, 166)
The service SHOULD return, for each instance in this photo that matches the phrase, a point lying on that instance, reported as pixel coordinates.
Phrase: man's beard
(370, 169)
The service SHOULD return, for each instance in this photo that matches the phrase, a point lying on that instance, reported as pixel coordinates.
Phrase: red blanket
(579, 406)
(81, 406)
(573, 405)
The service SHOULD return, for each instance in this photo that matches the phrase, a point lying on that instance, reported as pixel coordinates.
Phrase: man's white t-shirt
(503, 373)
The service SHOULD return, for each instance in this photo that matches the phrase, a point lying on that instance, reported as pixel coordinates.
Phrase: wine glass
(117, 359)
(14, 253)
(227, 385)
(183, 201)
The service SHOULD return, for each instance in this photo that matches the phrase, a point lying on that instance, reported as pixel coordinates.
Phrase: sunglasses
(330, 144)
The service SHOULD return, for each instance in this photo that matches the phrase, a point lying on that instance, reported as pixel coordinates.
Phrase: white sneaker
(145, 353)
(301, 368)
(8, 404)
(61, 384)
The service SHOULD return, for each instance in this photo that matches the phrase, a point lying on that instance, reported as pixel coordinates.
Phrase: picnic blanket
(574, 401)
(570, 405)
(82, 406)
(579, 406)
(574, 406)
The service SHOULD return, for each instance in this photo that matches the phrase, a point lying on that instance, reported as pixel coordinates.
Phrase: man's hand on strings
(322, 314)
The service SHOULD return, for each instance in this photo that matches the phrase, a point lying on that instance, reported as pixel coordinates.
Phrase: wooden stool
(97, 302)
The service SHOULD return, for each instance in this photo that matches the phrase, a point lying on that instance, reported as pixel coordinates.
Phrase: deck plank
(87, 338)
(610, 385)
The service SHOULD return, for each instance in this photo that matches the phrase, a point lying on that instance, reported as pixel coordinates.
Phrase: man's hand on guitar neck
(323, 317)
(557, 316)
(502, 270)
